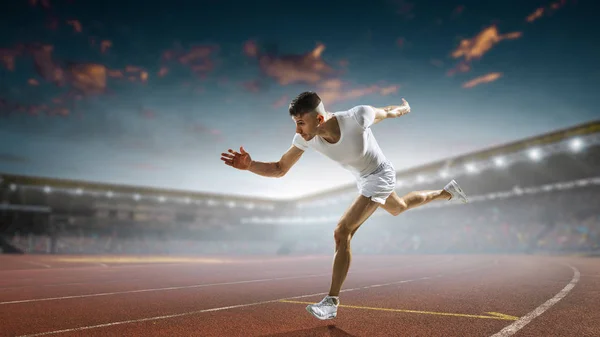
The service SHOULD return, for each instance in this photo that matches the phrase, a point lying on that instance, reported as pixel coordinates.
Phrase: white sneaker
(326, 309)
(456, 192)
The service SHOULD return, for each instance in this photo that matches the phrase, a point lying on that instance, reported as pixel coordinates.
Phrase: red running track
(383, 296)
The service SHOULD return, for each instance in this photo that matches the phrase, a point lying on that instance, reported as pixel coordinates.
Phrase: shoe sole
(460, 191)
(321, 318)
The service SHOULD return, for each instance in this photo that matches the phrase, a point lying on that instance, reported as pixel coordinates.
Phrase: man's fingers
(236, 153)
(227, 155)
(242, 150)
(227, 161)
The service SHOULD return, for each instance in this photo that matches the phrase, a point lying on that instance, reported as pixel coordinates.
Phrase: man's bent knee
(398, 208)
(342, 234)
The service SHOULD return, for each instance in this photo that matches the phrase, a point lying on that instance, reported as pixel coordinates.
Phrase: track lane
(515, 286)
(42, 315)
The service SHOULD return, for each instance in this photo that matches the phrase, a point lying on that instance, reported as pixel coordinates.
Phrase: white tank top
(357, 150)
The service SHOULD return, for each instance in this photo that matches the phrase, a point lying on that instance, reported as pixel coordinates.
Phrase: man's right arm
(277, 169)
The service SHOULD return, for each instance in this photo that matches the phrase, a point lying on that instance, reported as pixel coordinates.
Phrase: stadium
(362, 129)
(531, 227)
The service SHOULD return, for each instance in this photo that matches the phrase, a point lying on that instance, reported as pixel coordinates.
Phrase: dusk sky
(150, 93)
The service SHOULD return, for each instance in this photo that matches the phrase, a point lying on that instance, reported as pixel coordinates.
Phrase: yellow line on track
(491, 315)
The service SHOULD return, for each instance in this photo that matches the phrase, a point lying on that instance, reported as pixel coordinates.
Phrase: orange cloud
(476, 47)
(8, 57)
(163, 71)
(283, 101)
(335, 90)
(540, 12)
(491, 77)
(198, 58)
(291, 69)
(45, 65)
(462, 67)
(33, 82)
(535, 15)
(250, 48)
(105, 45)
(115, 73)
(88, 78)
(76, 25)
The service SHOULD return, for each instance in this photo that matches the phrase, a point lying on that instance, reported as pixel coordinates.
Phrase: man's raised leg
(355, 216)
(395, 204)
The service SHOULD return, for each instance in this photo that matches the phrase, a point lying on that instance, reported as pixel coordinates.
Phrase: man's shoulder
(362, 114)
(300, 142)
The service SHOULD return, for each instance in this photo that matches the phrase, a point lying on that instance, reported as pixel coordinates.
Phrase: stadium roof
(53, 183)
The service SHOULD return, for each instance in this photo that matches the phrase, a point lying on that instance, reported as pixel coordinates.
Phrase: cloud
(308, 68)
(334, 91)
(250, 48)
(199, 59)
(487, 78)
(8, 57)
(105, 45)
(76, 25)
(545, 11)
(281, 102)
(476, 47)
(472, 49)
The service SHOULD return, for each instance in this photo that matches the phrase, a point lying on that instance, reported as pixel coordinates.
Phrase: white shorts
(378, 185)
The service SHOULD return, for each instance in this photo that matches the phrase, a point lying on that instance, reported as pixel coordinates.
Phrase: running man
(346, 138)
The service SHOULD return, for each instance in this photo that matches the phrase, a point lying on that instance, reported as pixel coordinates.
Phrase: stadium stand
(535, 195)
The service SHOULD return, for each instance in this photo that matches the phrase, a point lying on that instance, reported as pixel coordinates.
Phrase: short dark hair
(305, 102)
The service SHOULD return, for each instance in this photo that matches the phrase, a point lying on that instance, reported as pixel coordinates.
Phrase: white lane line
(113, 268)
(155, 318)
(194, 286)
(519, 324)
(39, 264)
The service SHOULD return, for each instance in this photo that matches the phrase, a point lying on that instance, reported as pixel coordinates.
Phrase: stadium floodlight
(420, 178)
(13, 187)
(535, 154)
(499, 161)
(136, 197)
(161, 199)
(47, 189)
(576, 144)
(109, 194)
(444, 174)
(187, 200)
(79, 191)
(471, 168)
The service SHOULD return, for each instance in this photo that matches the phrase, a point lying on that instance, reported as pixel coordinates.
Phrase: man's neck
(329, 130)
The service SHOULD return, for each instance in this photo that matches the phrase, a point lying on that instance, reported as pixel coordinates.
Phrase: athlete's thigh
(360, 210)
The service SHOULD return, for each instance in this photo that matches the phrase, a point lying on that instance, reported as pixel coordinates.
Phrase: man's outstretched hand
(239, 160)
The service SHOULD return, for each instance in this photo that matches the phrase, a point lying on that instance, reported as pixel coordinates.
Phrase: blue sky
(150, 93)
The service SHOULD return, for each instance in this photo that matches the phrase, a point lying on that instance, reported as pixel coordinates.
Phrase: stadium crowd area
(551, 222)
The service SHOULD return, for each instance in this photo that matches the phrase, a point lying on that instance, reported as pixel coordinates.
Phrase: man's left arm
(391, 111)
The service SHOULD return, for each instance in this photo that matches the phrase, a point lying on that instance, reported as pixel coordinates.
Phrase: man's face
(306, 124)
